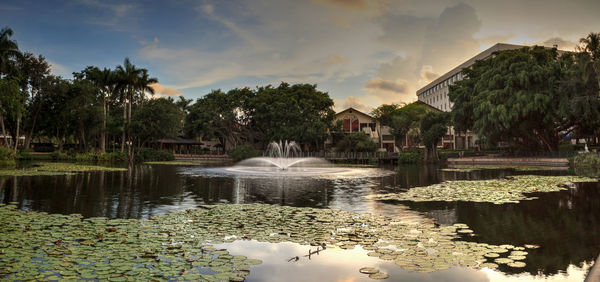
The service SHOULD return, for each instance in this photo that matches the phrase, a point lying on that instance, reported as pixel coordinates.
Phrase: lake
(565, 224)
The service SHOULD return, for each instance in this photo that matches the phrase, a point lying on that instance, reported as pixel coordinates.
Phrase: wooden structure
(181, 146)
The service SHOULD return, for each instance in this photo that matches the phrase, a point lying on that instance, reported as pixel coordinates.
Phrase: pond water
(565, 224)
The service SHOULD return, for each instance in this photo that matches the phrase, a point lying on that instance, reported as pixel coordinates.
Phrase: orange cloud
(160, 90)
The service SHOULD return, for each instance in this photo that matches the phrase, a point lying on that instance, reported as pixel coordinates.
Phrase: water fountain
(284, 159)
(283, 156)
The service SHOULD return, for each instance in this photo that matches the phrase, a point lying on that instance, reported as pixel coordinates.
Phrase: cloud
(427, 74)
(58, 69)
(562, 44)
(110, 15)
(162, 91)
(351, 102)
(333, 59)
(398, 86)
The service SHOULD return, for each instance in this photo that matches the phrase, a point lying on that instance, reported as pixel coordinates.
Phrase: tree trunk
(431, 155)
(17, 135)
(3, 130)
(30, 135)
(103, 131)
(124, 124)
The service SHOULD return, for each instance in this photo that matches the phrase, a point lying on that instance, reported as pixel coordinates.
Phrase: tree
(13, 108)
(401, 119)
(356, 142)
(9, 50)
(513, 96)
(434, 126)
(591, 45)
(156, 118)
(296, 112)
(216, 115)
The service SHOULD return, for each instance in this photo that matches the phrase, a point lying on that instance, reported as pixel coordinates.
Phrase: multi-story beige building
(435, 93)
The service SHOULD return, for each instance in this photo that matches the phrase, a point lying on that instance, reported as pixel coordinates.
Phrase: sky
(363, 53)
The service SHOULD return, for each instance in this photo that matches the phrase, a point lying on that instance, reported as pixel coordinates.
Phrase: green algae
(498, 191)
(51, 168)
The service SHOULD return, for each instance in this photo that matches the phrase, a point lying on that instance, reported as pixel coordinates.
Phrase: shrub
(7, 157)
(243, 152)
(356, 142)
(152, 155)
(112, 157)
(587, 165)
(24, 155)
(414, 157)
(56, 155)
(86, 157)
(6, 154)
(567, 147)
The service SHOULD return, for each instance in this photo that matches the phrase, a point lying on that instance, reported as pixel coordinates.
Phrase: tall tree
(156, 118)
(9, 50)
(513, 97)
(591, 45)
(434, 126)
(128, 75)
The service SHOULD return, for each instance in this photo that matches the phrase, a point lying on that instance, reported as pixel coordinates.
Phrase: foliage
(105, 249)
(433, 128)
(497, 191)
(149, 154)
(56, 156)
(101, 157)
(53, 168)
(356, 142)
(587, 165)
(527, 97)
(242, 152)
(24, 155)
(156, 118)
(403, 120)
(6, 154)
(288, 112)
(410, 157)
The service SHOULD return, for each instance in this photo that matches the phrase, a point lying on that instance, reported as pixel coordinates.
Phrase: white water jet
(283, 155)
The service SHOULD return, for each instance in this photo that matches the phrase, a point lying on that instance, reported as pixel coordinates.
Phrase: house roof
(352, 110)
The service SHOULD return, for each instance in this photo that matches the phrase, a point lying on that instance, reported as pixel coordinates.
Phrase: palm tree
(8, 49)
(591, 45)
(127, 75)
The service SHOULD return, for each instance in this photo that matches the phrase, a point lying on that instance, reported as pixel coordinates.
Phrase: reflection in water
(566, 224)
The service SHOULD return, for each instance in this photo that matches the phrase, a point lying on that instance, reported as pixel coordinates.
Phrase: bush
(7, 157)
(356, 142)
(152, 155)
(243, 152)
(6, 154)
(56, 155)
(24, 155)
(587, 165)
(413, 157)
(101, 157)
(112, 157)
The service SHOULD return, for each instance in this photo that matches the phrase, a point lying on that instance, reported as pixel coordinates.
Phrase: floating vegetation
(50, 168)
(498, 191)
(471, 168)
(178, 245)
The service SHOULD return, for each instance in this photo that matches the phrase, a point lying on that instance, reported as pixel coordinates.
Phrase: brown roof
(351, 110)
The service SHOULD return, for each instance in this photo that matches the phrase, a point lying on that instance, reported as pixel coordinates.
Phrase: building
(435, 94)
(354, 120)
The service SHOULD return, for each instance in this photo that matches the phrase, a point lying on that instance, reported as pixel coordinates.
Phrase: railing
(348, 155)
